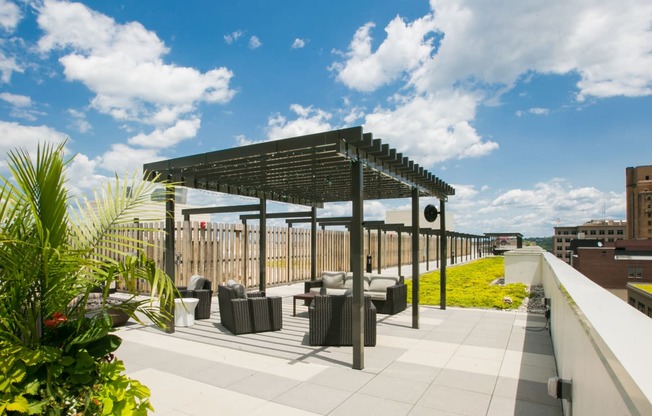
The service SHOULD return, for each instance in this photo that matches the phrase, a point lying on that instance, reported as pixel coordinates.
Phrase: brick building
(606, 231)
(638, 188)
(613, 267)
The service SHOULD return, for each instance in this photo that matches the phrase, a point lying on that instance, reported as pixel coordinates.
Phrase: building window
(601, 232)
(649, 312)
(611, 240)
(565, 232)
(559, 248)
(632, 301)
(620, 232)
(634, 272)
(641, 307)
(559, 240)
(568, 240)
(559, 255)
(592, 232)
(610, 232)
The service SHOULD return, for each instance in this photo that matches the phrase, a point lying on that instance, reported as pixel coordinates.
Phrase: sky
(530, 110)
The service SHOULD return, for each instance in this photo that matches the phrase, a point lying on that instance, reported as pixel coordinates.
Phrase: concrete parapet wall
(524, 266)
(601, 343)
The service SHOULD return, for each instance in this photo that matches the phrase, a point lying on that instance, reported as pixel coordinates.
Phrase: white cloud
(242, 140)
(84, 177)
(309, 120)
(434, 128)
(254, 42)
(533, 212)
(465, 53)
(79, 121)
(122, 65)
(16, 100)
(404, 48)
(8, 66)
(123, 159)
(605, 43)
(298, 43)
(539, 111)
(9, 15)
(229, 38)
(14, 135)
(183, 130)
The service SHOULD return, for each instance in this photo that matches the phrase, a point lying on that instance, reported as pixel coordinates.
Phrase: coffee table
(308, 297)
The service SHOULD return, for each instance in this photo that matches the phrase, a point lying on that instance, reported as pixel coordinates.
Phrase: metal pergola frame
(334, 166)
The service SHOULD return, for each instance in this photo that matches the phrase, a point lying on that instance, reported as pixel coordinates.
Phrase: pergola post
(167, 303)
(400, 249)
(313, 243)
(443, 245)
(427, 251)
(415, 258)
(357, 247)
(262, 260)
(437, 252)
(288, 266)
(379, 260)
(245, 250)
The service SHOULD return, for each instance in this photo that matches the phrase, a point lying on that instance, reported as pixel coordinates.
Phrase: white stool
(184, 311)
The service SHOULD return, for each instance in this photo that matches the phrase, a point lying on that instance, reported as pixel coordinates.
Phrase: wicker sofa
(331, 320)
(202, 289)
(243, 313)
(388, 292)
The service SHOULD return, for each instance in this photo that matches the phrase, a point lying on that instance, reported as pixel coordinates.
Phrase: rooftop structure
(333, 166)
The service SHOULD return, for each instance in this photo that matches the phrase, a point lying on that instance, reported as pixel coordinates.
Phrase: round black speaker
(430, 212)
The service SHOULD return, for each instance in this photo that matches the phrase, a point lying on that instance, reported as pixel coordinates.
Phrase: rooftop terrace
(459, 362)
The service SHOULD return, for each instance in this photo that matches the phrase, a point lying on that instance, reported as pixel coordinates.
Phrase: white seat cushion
(380, 283)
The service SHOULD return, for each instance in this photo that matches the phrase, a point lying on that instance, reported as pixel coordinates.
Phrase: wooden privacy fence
(223, 252)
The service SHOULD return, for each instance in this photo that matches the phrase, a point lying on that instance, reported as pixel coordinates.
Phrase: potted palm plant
(56, 357)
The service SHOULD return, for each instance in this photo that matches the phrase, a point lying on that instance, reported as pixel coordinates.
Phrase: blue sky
(531, 110)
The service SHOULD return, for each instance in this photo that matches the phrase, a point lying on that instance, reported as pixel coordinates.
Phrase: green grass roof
(647, 287)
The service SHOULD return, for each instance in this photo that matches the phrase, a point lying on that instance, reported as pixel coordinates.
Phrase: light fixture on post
(430, 213)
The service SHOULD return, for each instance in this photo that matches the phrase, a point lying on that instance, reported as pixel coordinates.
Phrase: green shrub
(469, 286)
(55, 357)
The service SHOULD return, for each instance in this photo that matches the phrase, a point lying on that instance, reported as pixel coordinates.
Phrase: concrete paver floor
(459, 362)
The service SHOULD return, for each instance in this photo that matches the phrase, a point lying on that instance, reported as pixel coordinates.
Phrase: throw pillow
(240, 291)
(196, 282)
(333, 280)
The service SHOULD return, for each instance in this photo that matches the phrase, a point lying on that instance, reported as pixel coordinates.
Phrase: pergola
(334, 166)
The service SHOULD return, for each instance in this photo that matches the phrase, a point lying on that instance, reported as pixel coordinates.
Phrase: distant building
(639, 295)
(504, 242)
(605, 231)
(405, 217)
(638, 187)
(613, 267)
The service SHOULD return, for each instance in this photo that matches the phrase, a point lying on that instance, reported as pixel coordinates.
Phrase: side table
(184, 311)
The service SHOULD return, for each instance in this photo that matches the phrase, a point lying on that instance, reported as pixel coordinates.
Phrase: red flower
(57, 318)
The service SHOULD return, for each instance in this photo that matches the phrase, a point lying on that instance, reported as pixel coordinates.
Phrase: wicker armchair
(331, 320)
(201, 289)
(253, 313)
